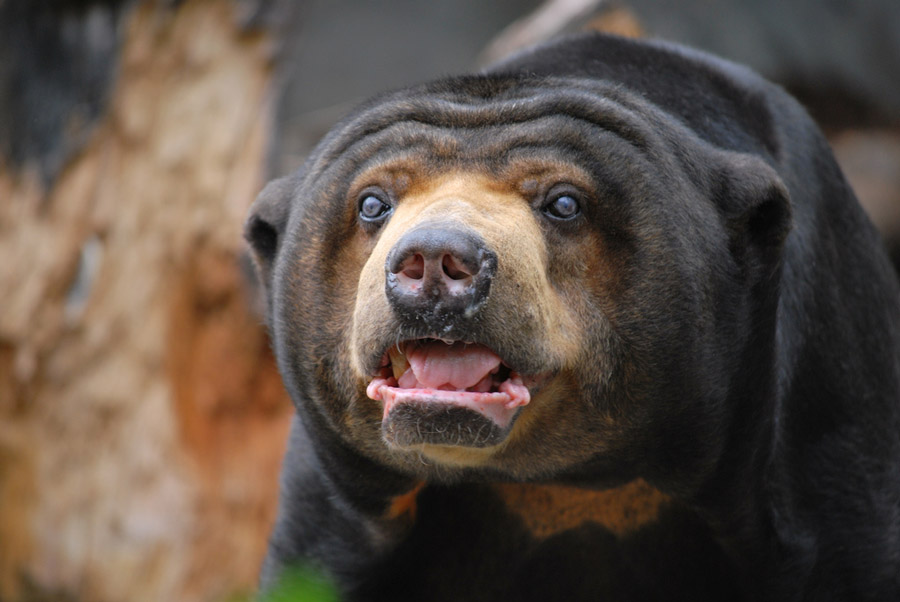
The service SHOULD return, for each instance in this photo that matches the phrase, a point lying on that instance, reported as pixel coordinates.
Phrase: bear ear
(266, 222)
(757, 211)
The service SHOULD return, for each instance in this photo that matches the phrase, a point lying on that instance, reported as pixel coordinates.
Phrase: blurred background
(142, 419)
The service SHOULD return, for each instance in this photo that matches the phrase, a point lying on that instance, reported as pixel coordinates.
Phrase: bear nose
(435, 270)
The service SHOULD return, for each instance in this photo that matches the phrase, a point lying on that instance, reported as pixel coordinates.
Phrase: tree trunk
(142, 419)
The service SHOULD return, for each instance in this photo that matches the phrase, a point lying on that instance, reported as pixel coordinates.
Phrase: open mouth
(438, 375)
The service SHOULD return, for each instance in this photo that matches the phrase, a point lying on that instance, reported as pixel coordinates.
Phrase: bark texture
(142, 419)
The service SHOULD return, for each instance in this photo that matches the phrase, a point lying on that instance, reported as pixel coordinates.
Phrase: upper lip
(403, 345)
(379, 359)
(529, 365)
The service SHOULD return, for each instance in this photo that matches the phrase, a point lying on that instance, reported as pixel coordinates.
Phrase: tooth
(399, 365)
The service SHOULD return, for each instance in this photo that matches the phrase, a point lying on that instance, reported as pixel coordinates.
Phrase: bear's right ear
(265, 225)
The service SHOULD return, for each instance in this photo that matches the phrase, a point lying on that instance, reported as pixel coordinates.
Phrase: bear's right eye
(372, 208)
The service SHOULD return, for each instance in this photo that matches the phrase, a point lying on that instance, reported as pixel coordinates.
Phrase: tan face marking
(525, 312)
(506, 222)
(550, 509)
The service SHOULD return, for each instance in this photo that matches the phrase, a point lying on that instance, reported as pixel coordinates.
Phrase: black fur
(742, 355)
(57, 61)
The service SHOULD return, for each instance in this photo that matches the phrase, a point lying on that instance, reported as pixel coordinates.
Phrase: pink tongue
(460, 366)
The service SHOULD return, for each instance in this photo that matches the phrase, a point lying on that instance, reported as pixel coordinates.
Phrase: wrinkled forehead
(517, 130)
(410, 152)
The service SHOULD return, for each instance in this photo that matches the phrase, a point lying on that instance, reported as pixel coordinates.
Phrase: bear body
(602, 322)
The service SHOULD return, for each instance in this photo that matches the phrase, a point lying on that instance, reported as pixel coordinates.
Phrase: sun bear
(601, 322)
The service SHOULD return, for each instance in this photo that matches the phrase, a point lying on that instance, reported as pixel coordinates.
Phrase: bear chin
(415, 423)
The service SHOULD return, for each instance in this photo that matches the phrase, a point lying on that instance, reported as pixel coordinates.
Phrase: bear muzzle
(443, 389)
(455, 322)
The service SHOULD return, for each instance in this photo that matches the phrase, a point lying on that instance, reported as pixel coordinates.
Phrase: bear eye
(562, 206)
(372, 208)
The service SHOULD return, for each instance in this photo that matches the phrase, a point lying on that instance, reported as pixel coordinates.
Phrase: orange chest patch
(550, 509)
(405, 505)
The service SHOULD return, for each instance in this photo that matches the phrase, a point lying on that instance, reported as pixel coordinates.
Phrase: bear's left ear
(265, 225)
(757, 211)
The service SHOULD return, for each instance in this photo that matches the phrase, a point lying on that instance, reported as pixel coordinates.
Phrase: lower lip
(499, 406)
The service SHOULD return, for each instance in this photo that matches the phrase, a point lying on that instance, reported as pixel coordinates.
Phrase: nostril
(413, 267)
(454, 269)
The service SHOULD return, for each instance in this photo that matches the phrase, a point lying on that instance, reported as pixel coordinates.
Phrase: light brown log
(142, 420)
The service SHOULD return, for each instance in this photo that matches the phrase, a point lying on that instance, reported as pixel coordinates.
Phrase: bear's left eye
(372, 208)
(562, 206)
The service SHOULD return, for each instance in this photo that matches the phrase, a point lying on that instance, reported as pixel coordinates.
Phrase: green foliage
(302, 585)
